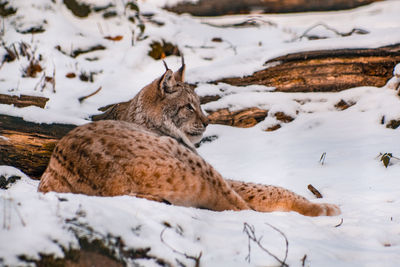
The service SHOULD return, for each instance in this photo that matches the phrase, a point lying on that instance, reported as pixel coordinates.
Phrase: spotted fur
(145, 148)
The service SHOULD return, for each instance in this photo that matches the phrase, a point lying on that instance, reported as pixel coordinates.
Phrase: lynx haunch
(145, 148)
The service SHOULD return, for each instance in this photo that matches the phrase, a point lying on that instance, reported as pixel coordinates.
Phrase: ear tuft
(180, 74)
(165, 65)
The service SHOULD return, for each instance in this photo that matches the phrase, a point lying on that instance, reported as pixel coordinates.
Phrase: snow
(351, 175)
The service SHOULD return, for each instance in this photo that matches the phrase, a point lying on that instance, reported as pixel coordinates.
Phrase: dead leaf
(114, 38)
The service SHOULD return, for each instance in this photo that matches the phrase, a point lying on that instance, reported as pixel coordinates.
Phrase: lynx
(145, 148)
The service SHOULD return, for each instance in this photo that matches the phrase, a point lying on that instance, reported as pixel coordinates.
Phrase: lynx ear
(167, 83)
(180, 74)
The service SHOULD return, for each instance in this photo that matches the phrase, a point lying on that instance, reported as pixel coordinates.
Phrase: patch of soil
(342, 105)
(393, 124)
(273, 128)
(78, 9)
(281, 116)
(5, 182)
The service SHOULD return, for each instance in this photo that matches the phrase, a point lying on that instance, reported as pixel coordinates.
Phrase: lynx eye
(189, 107)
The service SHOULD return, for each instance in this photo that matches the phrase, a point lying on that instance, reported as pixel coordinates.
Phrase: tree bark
(244, 118)
(326, 70)
(225, 7)
(23, 100)
(27, 145)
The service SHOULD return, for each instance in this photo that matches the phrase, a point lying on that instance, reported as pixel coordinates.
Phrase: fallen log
(244, 118)
(28, 145)
(23, 100)
(326, 70)
(225, 7)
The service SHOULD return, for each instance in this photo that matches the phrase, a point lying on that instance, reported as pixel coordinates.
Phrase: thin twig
(286, 240)
(317, 25)
(4, 213)
(248, 22)
(53, 81)
(232, 46)
(81, 99)
(195, 259)
(250, 231)
(250, 235)
(303, 260)
(40, 81)
(100, 28)
(15, 50)
(7, 213)
(3, 28)
(341, 222)
(342, 34)
(322, 159)
(19, 214)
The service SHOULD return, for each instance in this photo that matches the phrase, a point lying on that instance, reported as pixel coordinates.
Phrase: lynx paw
(329, 210)
(316, 209)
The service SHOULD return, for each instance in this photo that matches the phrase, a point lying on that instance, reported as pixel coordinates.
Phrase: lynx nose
(203, 118)
(205, 121)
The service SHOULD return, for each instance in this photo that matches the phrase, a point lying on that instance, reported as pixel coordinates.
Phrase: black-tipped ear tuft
(180, 74)
(165, 65)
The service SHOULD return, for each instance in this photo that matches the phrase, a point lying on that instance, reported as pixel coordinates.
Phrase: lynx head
(171, 107)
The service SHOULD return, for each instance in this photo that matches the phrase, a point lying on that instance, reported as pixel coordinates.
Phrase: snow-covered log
(326, 70)
(224, 7)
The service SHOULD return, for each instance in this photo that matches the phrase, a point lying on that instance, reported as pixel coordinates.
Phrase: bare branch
(7, 210)
(40, 82)
(194, 258)
(286, 240)
(322, 159)
(250, 231)
(342, 34)
(341, 222)
(18, 213)
(53, 81)
(15, 50)
(303, 260)
(81, 99)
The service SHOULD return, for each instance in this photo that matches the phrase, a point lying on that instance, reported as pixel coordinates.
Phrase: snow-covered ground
(367, 233)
